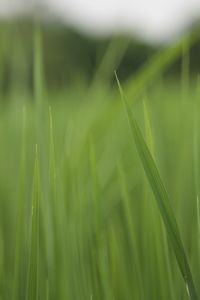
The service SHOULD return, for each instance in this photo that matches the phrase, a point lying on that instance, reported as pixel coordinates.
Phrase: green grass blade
(111, 60)
(32, 291)
(37, 65)
(162, 199)
(150, 71)
(196, 157)
(126, 201)
(149, 135)
(196, 139)
(96, 191)
(2, 267)
(47, 289)
(52, 162)
(157, 64)
(185, 80)
(20, 216)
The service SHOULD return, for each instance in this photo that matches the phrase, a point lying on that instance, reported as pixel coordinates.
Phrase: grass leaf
(158, 63)
(32, 291)
(162, 199)
(20, 215)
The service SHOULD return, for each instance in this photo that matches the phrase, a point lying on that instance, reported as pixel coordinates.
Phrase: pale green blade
(158, 63)
(32, 291)
(18, 261)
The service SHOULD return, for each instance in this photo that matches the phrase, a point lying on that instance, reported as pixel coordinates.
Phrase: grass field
(84, 212)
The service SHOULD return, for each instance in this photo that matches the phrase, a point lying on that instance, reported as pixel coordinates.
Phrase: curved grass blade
(32, 291)
(185, 72)
(149, 72)
(37, 65)
(157, 64)
(162, 199)
(149, 135)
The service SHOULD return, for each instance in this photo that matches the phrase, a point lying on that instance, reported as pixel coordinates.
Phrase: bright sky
(155, 21)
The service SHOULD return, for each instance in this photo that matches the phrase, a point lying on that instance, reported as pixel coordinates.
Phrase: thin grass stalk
(149, 208)
(126, 198)
(32, 289)
(20, 216)
(185, 72)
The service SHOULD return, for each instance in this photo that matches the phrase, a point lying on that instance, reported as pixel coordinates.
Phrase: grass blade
(149, 135)
(95, 184)
(162, 199)
(37, 65)
(18, 254)
(126, 198)
(111, 60)
(32, 292)
(158, 64)
(185, 73)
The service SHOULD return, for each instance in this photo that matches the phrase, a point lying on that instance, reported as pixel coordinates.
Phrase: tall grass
(78, 217)
(162, 199)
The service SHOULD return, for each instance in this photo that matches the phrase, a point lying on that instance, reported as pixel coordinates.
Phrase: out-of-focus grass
(161, 196)
(99, 237)
(77, 216)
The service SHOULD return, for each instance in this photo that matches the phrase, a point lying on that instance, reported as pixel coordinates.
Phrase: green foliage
(32, 289)
(100, 234)
(77, 217)
(162, 199)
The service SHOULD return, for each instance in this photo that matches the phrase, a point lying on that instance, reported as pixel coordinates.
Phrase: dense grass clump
(85, 224)
(79, 218)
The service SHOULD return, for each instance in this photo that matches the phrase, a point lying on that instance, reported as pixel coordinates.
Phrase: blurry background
(70, 57)
(100, 233)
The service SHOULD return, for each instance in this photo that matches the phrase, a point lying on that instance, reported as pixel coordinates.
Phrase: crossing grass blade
(111, 60)
(158, 63)
(32, 291)
(161, 197)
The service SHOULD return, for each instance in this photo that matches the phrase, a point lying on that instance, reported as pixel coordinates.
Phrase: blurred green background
(78, 219)
(70, 58)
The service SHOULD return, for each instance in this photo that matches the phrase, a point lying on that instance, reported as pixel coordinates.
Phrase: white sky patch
(11, 8)
(155, 21)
